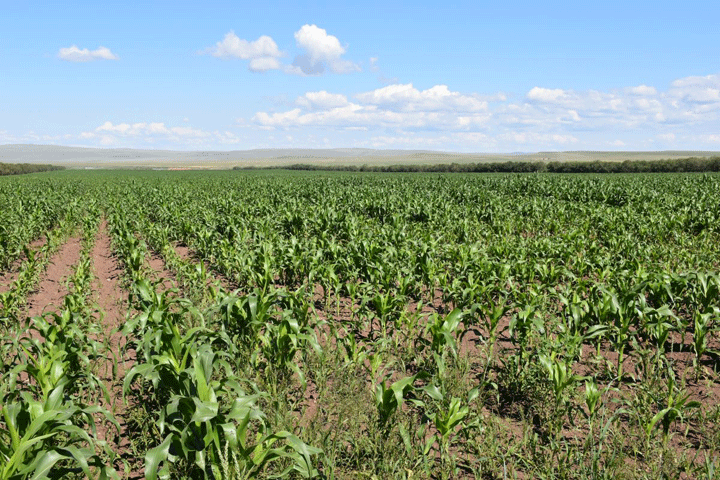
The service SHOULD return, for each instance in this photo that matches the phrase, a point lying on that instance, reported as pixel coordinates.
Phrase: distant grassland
(429, 158)
(77, 157)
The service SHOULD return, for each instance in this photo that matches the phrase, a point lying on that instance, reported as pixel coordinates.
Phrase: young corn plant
(619, 314)
(522, 325)
(448, 417)
(42, 438)
(206, 418)
(704, 327)
(562, 380)
(389, 398)
(678, 406)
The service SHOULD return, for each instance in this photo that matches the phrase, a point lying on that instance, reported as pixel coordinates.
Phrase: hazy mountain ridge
(82, 157)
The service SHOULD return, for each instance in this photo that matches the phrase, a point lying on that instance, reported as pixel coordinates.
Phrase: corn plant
(389, 398)
(37, 435)
(561, 380)
(678, 405)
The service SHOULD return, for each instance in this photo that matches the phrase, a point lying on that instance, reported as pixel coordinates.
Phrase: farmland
(354, 325)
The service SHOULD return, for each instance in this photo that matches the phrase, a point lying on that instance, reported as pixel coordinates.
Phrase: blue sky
(522, 76)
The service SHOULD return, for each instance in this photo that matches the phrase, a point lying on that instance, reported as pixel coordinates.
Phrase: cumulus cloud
(263, 53)
(394, 105)
(321, 51)
(642, 90)
(75, 54)
(546, 117)
(322, 100)
(684, 114)
(408, 98)
(697, 89)
(140, 133)
(540, 94)
(264, 64)
(144, 128)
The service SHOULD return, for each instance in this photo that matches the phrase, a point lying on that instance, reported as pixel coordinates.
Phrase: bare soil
(52, 288)
(112, 302)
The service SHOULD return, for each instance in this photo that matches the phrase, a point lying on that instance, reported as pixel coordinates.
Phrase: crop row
(419, 326)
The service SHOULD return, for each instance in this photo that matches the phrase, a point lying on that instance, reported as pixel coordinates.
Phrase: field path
(52, 288)
(113, 303)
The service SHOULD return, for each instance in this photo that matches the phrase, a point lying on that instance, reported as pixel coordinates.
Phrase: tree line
(21, 168)
(693, 164)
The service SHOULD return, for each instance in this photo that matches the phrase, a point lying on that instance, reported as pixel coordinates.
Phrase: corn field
(359, 325)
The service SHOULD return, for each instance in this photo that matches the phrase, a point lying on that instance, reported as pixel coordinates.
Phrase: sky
(453, 76)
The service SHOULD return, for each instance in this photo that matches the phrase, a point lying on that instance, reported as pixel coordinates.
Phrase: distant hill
(79, 157)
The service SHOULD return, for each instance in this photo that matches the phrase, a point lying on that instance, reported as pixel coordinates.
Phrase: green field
(359, 325)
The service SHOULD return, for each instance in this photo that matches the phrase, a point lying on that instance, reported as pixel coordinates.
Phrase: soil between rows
(53, 288)
(112, 302)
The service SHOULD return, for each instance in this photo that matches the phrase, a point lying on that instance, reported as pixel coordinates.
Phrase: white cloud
(409, 99)
(695, 90)
(534, 138)
(373, 64)
(540, 94)
(234, 47)
(322, 51)
(154, 133)
(264, 64)
(394, 106)
(322, 100)
(144, 129)
(682, 115)
(544, 117)
(714, 138)
(369, 116)
(75, 54)
(263, 53)
(642, 90)
(108, 140)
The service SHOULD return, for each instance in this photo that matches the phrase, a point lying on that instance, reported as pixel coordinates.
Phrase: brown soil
(52, 288)
(184, 252)
(159, 271)
(113, 303)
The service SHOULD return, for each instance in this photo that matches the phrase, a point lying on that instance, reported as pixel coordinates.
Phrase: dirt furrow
(52, 288)
(113, 303)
